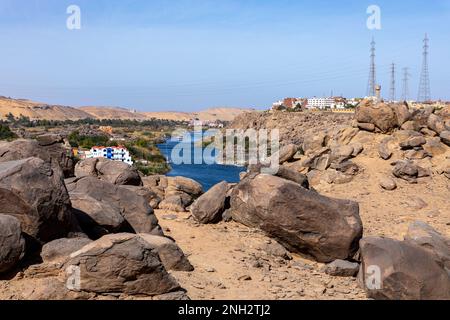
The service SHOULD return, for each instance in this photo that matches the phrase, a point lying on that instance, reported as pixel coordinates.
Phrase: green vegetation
(154, 124)
(6, 133)
(87, 142)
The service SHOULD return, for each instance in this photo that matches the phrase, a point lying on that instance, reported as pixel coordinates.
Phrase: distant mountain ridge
(41, 111)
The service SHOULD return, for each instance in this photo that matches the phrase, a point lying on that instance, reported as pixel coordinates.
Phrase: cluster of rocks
(288, 209)
(417, 138)
(172, 193)
(97, 226)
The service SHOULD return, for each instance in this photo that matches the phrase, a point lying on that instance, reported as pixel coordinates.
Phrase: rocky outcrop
(121, 263)
(103, 208)
(33, 191)
(46, 147)
(114, 172)
(12, 244)
(178, 193)
(301, 220)
(210, 206)
(423, 235)
(396, 270)
(59, 250)
(381, 115)
(172, 257)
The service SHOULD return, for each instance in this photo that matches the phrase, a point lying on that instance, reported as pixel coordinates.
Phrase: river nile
(206, 174)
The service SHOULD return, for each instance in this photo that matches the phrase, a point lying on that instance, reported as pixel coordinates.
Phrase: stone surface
(293, 175)
(379, 114)
(172, 257)
(286, 153)
(60, 249)
(33, 191)
(423, 235)
(388, 184)
(342, 268)
(114, 172)
(301, 220)
(122, 263)
(12, 244)
(436, 123)
(383, 149)
(406, 170)
(406, 272)
(445, 137)
(102, 208)
(209, 207)
(49, 148)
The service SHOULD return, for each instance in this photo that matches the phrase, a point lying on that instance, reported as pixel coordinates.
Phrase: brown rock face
(48, 148)
(301, 220)
(60, 249)
(402, 113)
(209, 207)
(423, 235)
(114, 172)
(121, 263)
(380, 114)
(102, 207)
(33, 191)
(172, 257)
(12, 244)
(406, 272)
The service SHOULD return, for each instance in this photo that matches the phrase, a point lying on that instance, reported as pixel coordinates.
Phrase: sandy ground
(227, 253)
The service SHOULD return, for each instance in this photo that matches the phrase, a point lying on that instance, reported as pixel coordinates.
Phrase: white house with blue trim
(113, 153)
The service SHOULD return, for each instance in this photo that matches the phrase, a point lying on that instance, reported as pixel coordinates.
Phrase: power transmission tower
(424, 87)
(372, 75)
(392, 89)
(405, 91)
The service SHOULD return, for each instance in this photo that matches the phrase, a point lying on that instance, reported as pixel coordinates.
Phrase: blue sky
(192, 54)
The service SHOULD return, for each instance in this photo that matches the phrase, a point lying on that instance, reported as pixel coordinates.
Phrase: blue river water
(206, 174)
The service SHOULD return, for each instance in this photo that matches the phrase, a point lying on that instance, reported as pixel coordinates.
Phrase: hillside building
(113, 153)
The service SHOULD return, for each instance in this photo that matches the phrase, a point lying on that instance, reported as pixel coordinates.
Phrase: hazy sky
(192, 54)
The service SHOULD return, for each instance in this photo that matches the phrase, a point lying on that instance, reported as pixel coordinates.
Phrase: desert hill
(37, 110)
(40, 111)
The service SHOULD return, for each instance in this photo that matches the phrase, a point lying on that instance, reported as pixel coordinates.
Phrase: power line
(392, 89)
(405, 91)
(424, 86)
(372, 74)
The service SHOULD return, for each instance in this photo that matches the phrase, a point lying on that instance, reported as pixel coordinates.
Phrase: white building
(112, 153)
(321, 103)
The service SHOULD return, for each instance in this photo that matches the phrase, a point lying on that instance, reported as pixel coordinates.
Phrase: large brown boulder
(380, 114)
(152, 198)
(423, 235)
(121, 263)
(114, 172)
(301, 220)
(396, 270)
(59, 250)
(171, 255)
(182, 184)
(47, 148)
(209, 207)
(12, 244)
(436, 123)
(401, 112)
(445, 137)
(102, 208)
(33, 191)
